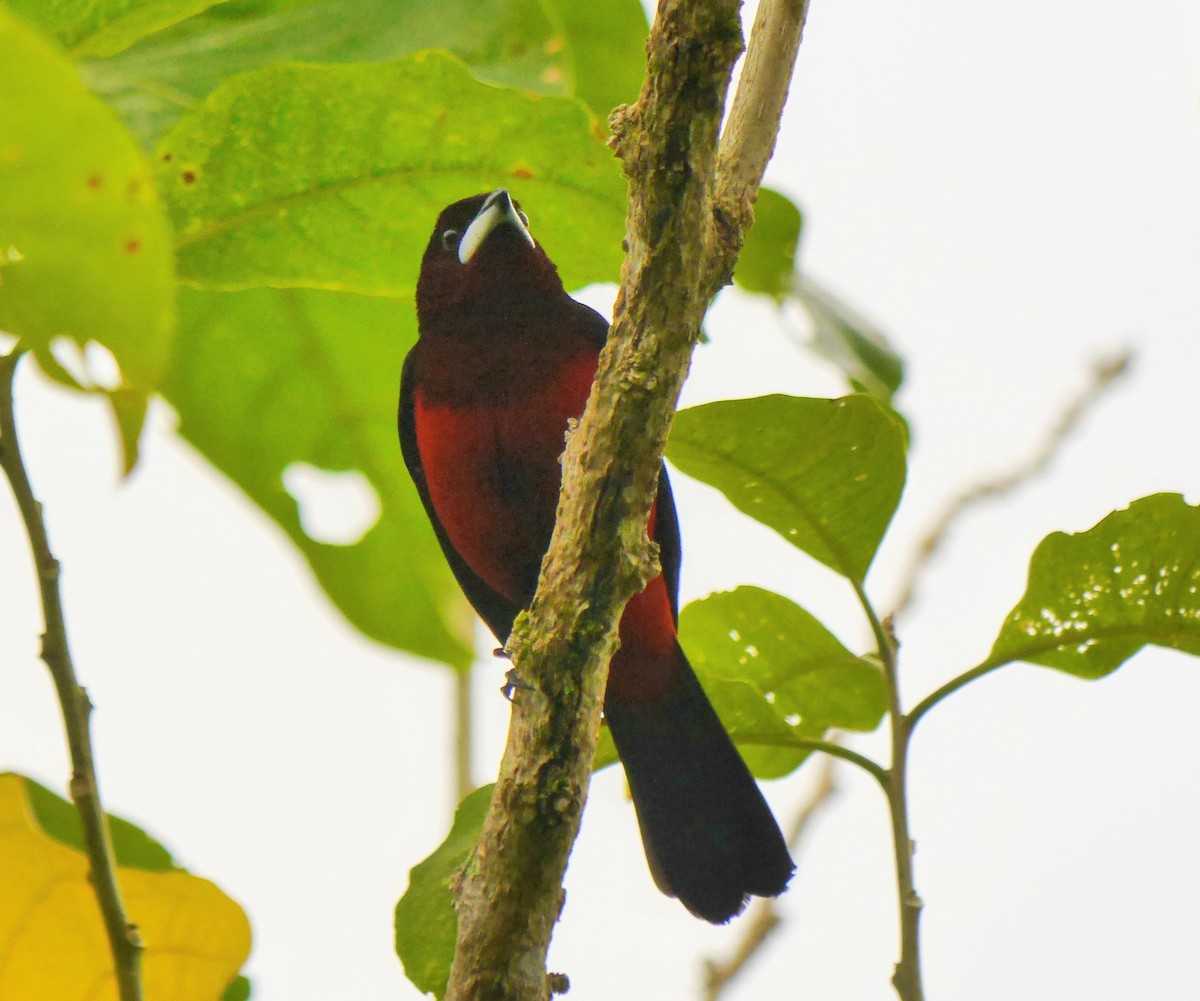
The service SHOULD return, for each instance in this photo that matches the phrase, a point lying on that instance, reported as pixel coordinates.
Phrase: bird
(503, 361)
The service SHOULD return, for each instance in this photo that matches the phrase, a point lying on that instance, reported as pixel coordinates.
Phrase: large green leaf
(426, 924)
(85, 251)
(512, 42)
(824, 474)
(332, 176)
(605, 49)
(767, 262)
(266, 378)
(1094, 599)
(776, 677)
(89, 28)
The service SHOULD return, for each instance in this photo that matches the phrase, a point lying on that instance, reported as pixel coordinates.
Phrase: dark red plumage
(505, 357)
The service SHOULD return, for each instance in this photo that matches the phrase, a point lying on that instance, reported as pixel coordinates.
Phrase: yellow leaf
(52, 941)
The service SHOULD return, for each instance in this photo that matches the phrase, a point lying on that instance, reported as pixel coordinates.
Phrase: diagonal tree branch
(680, 249)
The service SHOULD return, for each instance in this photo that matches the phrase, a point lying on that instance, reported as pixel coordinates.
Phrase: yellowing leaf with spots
(85, 252)
(52, 941)
(1094, 599)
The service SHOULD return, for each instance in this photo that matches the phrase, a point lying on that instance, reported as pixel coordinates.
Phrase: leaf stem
(872, 768)
(952, 686)
(123, 938)
(907, 976)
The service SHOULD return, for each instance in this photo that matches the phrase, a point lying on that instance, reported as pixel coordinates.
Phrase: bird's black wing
(590, 323)
(492, 607)
(666, 534)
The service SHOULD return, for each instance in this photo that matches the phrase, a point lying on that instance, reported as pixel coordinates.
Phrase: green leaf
(852, 343)
(824, 474)
(133, 847)
(238, 990)
(606, 49)
(332, 176)
(426, 924)
(267, 378)
(90, 28)
(767, 262)
(774, 673)
(511, 42)
(1095, 598)
(85, 252)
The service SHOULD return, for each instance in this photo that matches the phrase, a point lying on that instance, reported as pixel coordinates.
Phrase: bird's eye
(449, 239)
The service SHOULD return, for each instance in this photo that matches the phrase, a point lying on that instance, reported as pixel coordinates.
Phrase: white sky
(1009, 192)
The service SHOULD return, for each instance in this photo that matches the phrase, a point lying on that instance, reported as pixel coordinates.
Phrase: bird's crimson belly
(493, 474)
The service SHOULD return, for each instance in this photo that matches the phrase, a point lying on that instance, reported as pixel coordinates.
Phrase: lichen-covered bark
(680, 249)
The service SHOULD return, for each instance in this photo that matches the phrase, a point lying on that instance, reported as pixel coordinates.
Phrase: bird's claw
(512, 683)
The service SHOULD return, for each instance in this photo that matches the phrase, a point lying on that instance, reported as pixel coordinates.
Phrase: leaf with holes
(316, 376)
(89, 28)
(1095, 598)
(825, 474)
(775, 675)
(426, 924)
(55, 945)
(85, 251)
(515, 43)
(332, 176)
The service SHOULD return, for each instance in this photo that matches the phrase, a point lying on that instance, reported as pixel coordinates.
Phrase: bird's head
(482, 261)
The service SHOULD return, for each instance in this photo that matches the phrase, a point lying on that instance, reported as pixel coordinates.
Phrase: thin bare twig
(763, 916)
(123, 938)
(1104, 375)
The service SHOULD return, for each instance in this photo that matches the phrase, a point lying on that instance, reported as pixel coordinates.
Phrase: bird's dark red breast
(504, 360)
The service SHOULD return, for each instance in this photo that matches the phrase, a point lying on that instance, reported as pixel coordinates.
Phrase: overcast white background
(1010, 192)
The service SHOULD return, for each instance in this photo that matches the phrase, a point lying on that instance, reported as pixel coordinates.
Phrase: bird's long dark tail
(710, 838)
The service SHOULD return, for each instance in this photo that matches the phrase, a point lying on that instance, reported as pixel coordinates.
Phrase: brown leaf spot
(95, 181)
(553, 75)
(135, 186)
(524, 173)
(189, 176)
(133, 246)
(166, 157)
(553, 44)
